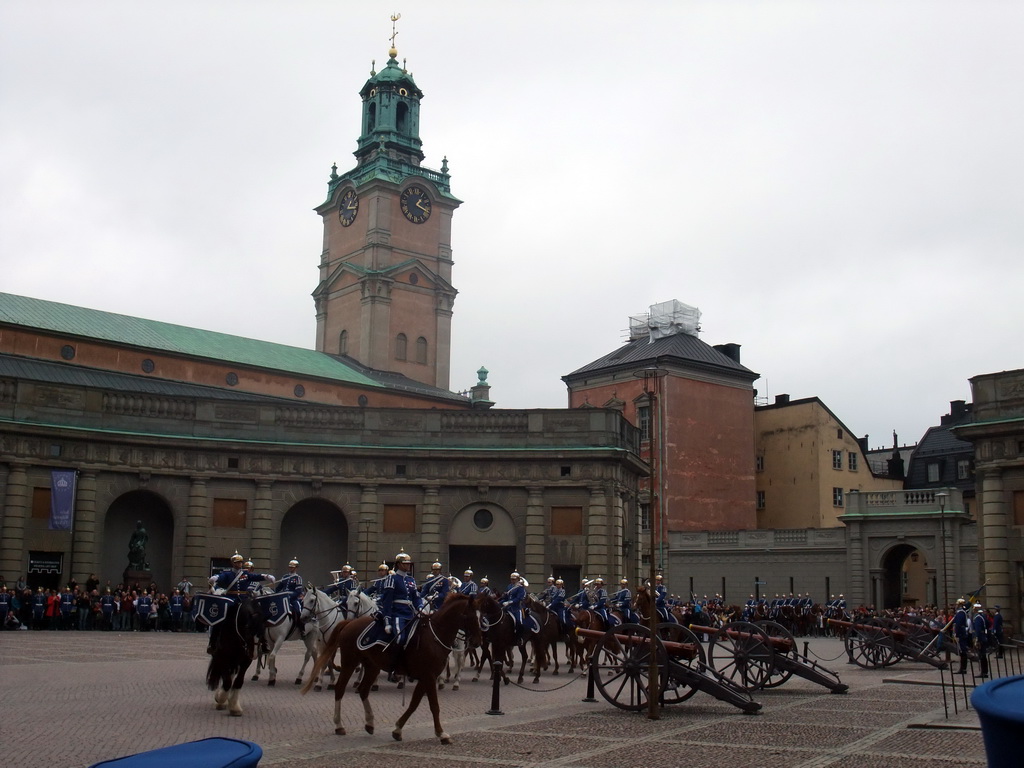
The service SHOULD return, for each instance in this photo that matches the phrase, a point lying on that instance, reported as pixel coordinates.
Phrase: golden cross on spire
(394, 33)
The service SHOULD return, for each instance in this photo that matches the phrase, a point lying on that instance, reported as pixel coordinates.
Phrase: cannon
(620, 666)
(877, 642)
(763, 655)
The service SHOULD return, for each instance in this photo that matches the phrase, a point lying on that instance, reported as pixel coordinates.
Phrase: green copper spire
(391, 113)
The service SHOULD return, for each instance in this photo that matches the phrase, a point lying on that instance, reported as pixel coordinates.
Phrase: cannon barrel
(897, 634)
(674, 649)
(783, 644)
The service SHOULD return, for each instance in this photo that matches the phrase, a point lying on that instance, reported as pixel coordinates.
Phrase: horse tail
(330, 647)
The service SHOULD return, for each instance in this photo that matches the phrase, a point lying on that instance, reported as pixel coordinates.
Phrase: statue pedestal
(137, 579)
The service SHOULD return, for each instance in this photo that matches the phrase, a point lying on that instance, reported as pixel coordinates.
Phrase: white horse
(456, 661)
(318, 607)
(275, 637)
(358, 603)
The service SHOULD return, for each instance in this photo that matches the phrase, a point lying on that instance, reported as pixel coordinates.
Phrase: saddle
(374, 634)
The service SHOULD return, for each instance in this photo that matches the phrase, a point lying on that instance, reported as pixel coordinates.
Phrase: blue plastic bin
(1000, 706)
(205, 753)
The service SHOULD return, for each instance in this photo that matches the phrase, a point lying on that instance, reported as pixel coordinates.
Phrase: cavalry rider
(749, 609)
(468, 585)
(485, 588)
(661, 600)
(291, 582)
(623, 602)
(398, 599)
(514, 595)
(601, 603)
(435, 587)
(558, 606)
(344, 583)
(236, 584)
(581, 599)
(545, 594)
(376, 587)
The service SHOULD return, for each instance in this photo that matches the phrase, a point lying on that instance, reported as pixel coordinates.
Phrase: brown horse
(423, 659)
(500, 638)
(544, 640)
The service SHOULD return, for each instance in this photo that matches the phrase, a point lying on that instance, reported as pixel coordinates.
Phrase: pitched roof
(679, 348)
(138, 332)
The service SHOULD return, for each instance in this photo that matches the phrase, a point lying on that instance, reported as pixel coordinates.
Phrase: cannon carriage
(881, 642)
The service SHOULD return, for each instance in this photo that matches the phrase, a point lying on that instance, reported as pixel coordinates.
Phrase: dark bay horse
(545, 642)
(499, 635)
(423, 659)
(233, 651)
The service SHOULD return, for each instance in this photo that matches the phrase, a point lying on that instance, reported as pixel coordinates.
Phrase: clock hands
(425, 209)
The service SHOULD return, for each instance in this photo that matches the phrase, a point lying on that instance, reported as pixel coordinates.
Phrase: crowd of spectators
(95, 607)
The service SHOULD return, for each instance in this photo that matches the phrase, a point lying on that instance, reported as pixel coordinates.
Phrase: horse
(499, 632)
(422, 659)
(547, 638)
(456, 661)
(233, 650)
(358, 603)
(277, 634)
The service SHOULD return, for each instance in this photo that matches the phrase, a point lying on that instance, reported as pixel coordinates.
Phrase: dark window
(399, 518)
(421, 350)
(567, 521)
(837, 497)
(371, 118)
(837, 459)
(41, 503)
(760, 499)
(643, 419)
(400, 347)
(402, 117)
(343, 343)
(483, 519)
(229, 513)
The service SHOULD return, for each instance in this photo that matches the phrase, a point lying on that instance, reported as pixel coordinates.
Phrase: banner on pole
(62, 499)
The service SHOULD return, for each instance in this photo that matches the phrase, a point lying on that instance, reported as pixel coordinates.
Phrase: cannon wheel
(742, 652)
(868, 645)
(622, 666)
(774, 629)
(675, 688)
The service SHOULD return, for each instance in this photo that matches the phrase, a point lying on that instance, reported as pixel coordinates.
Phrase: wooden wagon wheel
(743, 652)
(622, 666)
(676, 688)
(775, 630)
(868, 645)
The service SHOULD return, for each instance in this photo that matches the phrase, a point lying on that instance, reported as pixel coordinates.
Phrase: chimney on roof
(730, 350)
(781, 399)
(863, 443)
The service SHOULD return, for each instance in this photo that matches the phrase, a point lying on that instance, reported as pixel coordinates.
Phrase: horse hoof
(219, 706)
(254, 678)
(318, 687)
(298, 681)
(330, 687)
(400, 686)
(271, 683)
(440, 686)
(369, 729)
(374, 687)
(233, 713)
(396, 735)
(339, 731)
(555, 672)
(446, 739)
(455, 687)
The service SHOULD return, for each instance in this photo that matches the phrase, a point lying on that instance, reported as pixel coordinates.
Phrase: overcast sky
(837, 186)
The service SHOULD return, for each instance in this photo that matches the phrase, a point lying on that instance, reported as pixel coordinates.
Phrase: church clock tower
(385, 295)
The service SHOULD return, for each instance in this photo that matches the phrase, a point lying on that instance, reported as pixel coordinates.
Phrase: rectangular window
(229, 513)
(852, 461)
(837, 497)
(963, 469)
(1018, 507)
(41, 503)
(760, 499)
(837, 459)
(933, 472)
(399, 518)
(645, 517)
(643, 418)
(567, 521)
(759, 461)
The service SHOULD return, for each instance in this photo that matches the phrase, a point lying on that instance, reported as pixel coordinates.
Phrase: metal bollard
(590, 683)
(496, 690)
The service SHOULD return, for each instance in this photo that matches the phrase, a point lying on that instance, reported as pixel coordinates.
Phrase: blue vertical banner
(62, 499)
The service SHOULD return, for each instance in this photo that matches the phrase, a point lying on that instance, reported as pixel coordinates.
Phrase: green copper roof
(176, 339)
(392, 73)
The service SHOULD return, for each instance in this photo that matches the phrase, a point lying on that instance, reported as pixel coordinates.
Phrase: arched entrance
(156, 517)
(483, 537)
(904, 577)
(314, 531)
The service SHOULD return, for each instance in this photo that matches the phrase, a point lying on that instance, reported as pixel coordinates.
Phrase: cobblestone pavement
(72, 699)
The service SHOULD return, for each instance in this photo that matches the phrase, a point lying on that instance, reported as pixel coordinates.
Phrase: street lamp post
(942, 496)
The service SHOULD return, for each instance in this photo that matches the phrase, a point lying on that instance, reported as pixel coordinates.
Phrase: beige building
(807, 461)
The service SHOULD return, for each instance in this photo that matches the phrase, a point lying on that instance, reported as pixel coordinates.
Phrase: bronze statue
(137, 549)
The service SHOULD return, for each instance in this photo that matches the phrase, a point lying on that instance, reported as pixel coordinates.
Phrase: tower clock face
(415, 204)
(349, 207)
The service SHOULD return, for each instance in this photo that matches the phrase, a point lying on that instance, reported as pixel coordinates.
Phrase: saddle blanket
(374, 634)
(274, 607)
(211, 609)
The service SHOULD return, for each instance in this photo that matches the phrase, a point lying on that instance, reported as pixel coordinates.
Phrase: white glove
(270, 579)
(387, 627)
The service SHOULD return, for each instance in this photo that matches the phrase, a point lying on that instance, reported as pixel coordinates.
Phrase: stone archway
(119, 523)
(896, 575)
(316, 532)
(483, 537)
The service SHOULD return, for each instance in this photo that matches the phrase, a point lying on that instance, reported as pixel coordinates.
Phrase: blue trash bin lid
(1002, 698)
(205, 753)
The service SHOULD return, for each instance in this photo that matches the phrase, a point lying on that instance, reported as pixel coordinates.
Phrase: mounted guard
(435, 587)
(468, 585)
(292, 584)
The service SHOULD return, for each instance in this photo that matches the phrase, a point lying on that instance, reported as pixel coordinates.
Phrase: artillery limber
(762, 655)
(878, 642)
(621, 668)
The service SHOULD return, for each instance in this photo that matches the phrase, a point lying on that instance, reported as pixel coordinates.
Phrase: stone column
(597, 534)
(994, 548)
(84, 528)
(197, 520)
(534, 560)
(617, 533)
(430, 527)
(262, 544)
(877, 588)
(13, 558)
(369, 511)
(857, 568)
